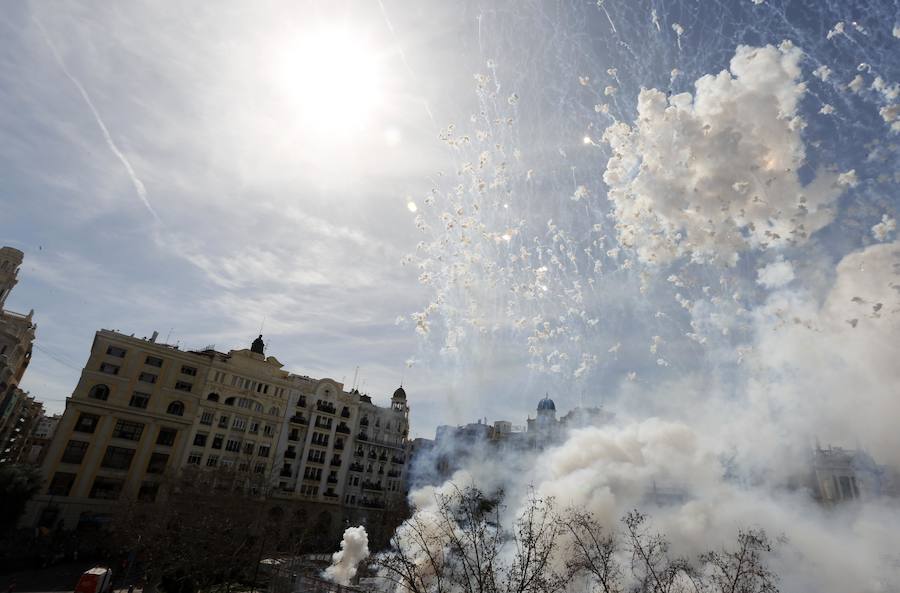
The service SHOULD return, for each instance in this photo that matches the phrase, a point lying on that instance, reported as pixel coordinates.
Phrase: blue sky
(272, 198)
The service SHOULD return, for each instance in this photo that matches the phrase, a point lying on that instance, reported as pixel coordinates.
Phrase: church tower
(10, 260)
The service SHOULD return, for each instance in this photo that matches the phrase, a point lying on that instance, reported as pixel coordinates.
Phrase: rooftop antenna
(262, 324)
(169, 334)
(355, 377)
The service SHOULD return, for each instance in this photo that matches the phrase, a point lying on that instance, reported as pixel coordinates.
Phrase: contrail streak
(138, 184)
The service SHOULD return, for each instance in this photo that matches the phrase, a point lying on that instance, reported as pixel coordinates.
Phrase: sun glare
(331, 80)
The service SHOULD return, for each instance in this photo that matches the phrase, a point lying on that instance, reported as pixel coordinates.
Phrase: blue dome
(546, 404)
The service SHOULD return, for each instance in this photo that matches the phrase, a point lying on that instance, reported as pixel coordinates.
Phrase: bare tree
(593, 550)
(742, 570)
(463, 545)
(652, 568)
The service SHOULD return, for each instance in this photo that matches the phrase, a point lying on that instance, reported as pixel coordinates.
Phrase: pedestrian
(131, 588)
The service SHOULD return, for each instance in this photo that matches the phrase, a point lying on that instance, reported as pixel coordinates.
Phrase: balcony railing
(343, 428)
(298, 419)
(367, 485)
(398, 460)
(326, 408)
(393, 474)
(331, 480)
(345, 413)
(371, 503)
(336, 462)
(356, 467)
(363, 436)
(331, 494)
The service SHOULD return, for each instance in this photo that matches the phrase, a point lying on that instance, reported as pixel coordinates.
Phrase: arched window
(258, 407)
(273, 411)
(100, 392)
(212, 397)
(176, 409)
(229, 401)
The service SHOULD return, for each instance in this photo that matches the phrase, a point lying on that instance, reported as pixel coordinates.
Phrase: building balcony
(325, 408)
(331, 480)
(294, 438)
(356, 467)
(285, 473)
(298, 419)
(362, 436)
(367, 485)
(331, 494)
(364, 422)
(398, 460)
(336, 463)
(301, 403)
(345, 413)
(323, 425)
(343, 428)
(371, 503)
(393, 474)
(339, 446)
(290, 454)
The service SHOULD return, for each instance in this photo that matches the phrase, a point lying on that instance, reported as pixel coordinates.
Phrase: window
(74, 452)
(229, 401)
(254, 427)
(139, 400)
(117, 458)
(166, 437)
(244, 402)
(212, 397)
(106, 488)
(212, 461)
(128, 430)
(61, 484)
(239, 423)
(223, 421)
(100, 392)
(200, 439)
(148, 491)
(217, 441)
(260, 468)
(248, 448)
(263, 451)
(233, 445)
(190, 371)
(268, 431)
(154, 362)
(176, 409)
(147, 377)
(194, 459)
(273, 411)
(207, 418)
(183, 386)
(157, 463)
(116, 351)
(109, 369)
(87, 423)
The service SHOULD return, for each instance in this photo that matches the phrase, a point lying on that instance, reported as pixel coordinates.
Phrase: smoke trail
(139, 188)
(354, 549)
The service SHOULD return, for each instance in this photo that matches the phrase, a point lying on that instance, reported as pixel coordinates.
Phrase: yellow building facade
(143, 410)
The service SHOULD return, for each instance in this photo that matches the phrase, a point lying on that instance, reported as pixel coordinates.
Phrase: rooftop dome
(399, 394)
(546, 404)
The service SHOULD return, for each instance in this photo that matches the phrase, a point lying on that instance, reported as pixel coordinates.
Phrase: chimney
(154, 336)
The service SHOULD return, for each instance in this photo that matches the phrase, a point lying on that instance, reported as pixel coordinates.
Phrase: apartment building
(143, 410)
(17, 409)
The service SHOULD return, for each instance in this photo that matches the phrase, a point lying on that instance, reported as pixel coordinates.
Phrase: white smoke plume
(354, 549)
(717, 173)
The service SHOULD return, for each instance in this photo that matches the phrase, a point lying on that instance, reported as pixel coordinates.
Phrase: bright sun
(331, 80)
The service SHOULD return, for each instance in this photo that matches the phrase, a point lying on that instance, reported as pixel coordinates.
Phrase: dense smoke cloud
(714, 174)
(345, 563)
(698, 184)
